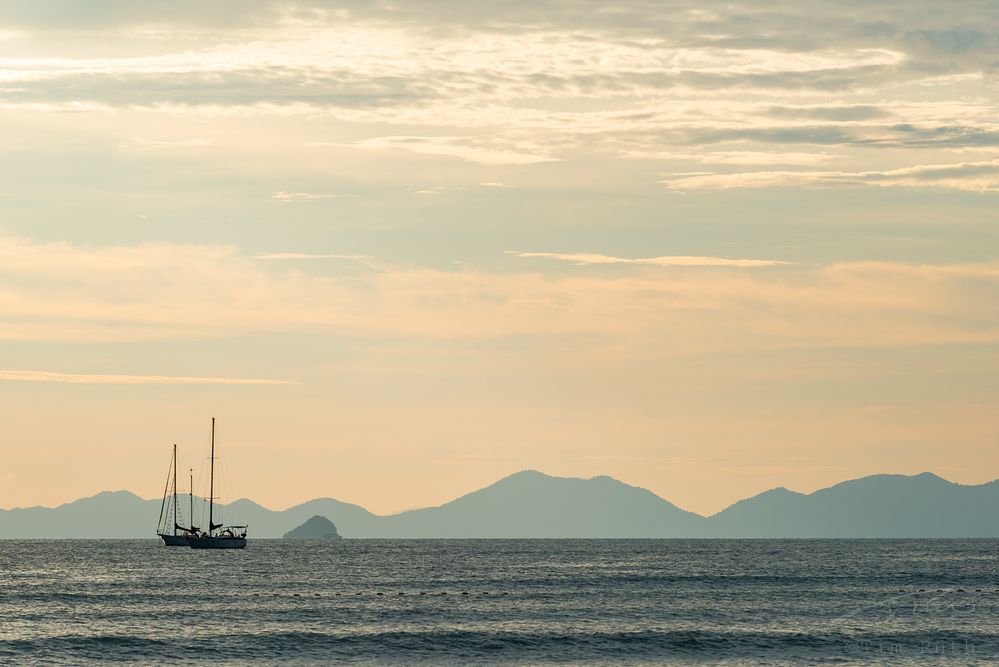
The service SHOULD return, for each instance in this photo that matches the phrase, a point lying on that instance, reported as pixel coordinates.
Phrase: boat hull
(174, 540)
(217, 542)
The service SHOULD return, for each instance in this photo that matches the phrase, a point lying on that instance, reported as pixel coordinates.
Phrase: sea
(485, 602)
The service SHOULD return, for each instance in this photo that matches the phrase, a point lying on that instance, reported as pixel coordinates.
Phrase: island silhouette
(531, 504)
(315, 528)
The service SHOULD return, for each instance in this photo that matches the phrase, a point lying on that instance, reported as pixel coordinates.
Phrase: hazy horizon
(400, 252)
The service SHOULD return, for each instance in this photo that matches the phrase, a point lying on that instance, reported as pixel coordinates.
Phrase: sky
(401, 250)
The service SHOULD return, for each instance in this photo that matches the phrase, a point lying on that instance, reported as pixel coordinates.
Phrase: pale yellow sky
(402, 251)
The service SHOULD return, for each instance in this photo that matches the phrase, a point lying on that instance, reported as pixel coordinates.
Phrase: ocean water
(502, 602)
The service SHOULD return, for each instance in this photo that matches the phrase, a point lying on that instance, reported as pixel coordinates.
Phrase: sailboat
(218, 536)
(170, 536)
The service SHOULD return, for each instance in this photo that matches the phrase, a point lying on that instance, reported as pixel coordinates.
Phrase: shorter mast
(191, 470)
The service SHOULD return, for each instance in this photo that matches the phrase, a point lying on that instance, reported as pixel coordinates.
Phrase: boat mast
(175, 488)
(211, 484)
(191, 471)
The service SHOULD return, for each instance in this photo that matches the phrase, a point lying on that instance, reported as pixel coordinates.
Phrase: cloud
(431, 191)
(76, 378)
(97, 14)
(737, 22)
(364, 66)
(470, 149)
(307, 256)
(738, 157)
(517, 84)
(855, 112)
(301, 196)
(63, 292)
(954, 48)
(181, 84)
(965, 176)
(717, 140)
(679, 260)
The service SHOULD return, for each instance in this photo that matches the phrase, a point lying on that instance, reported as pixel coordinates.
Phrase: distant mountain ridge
(922, 505)
(531, 504)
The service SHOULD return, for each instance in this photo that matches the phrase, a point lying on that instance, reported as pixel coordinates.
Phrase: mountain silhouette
(108, 514)
(923, 505)
(532, 504)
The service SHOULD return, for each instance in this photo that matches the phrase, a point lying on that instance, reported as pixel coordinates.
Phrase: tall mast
(175, 488)
(191, 471)
(211, 484)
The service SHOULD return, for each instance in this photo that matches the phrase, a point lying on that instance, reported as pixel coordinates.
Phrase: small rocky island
(316, 528)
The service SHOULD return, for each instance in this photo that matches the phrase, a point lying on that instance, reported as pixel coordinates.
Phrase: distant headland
(531, 504)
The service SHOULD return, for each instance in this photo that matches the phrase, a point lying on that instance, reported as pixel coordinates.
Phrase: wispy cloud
(302, 196)
(470, 149)
(431, 191)
(855, 112)
(77, 378)
(62, 292)
(673, 260)
(965, 176)
(774, 157)
(307, 256)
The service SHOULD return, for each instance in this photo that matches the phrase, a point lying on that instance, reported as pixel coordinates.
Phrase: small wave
(76, 648)
(502, 646)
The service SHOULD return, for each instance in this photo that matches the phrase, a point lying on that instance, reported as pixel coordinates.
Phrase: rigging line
(203, 498)
(219, 491)
(227, 516)
(159, 524)
(225, 490)
(222, 488)
(234, 516)
(178, 517)
(191, 525)
(203, 483)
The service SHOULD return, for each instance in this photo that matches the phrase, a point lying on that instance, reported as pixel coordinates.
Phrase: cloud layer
(965, 176)
(84, 378)
(60, 292)
(519, 84)
(680, 260)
